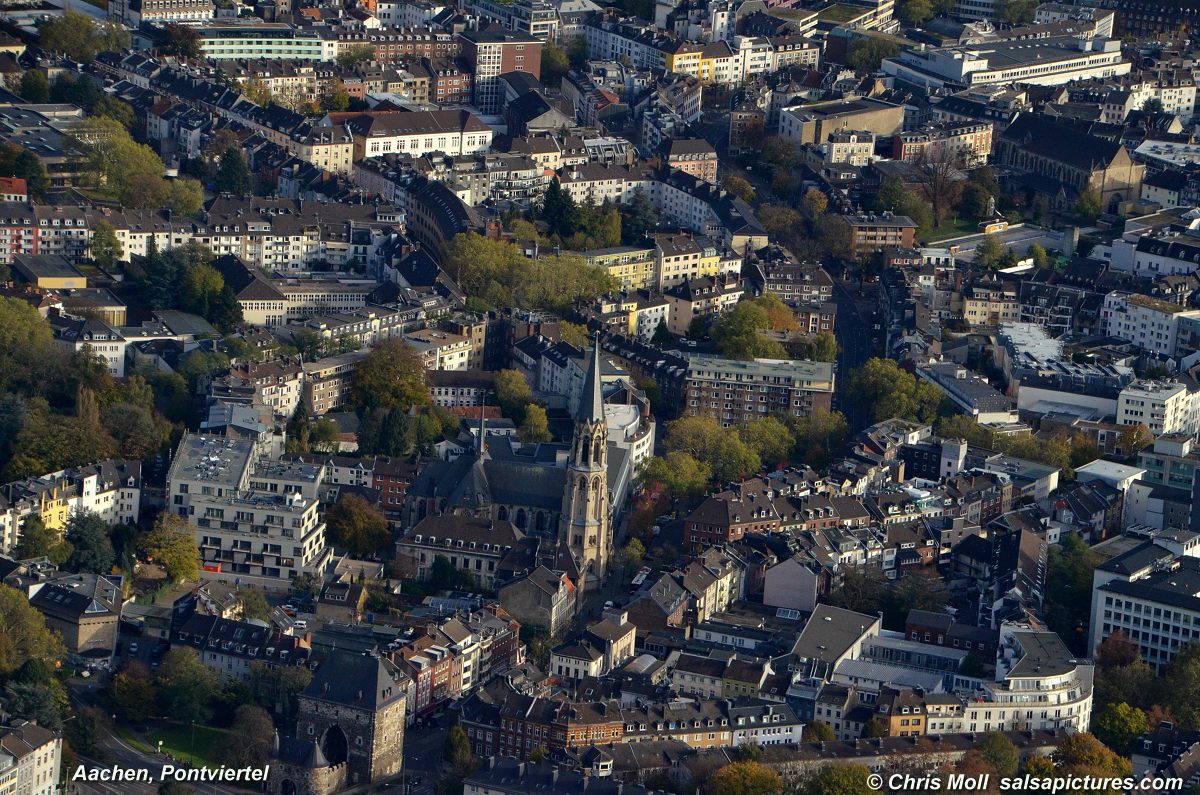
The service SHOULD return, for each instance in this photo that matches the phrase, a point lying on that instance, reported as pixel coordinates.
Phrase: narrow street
(853, 334)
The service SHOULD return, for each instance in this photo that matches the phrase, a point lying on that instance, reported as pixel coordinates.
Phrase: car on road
(300, 624)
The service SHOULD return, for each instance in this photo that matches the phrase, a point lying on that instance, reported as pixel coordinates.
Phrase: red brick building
(491, 53)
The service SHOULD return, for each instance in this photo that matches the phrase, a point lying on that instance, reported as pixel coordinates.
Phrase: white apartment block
(1162, 406)
(441, 350)
(111, 489)
(30, 759)
(1039, 685)
(1151, 324)
(265, 41)
(1149, 593)
(266, 536)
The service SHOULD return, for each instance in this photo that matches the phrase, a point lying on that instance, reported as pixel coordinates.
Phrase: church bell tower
(586, 517)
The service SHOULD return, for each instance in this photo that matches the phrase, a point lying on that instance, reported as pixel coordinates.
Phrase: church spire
(591, 404)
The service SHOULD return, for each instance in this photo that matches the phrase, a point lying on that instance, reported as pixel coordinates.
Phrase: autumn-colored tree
(391, 376)
(745, 778)
(357, 525)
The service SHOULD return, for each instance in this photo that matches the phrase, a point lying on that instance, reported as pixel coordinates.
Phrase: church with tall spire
(554, 494)
(587, 519)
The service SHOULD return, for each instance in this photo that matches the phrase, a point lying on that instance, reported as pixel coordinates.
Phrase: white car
(301, 624)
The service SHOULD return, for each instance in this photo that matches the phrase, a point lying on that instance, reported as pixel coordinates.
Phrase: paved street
(854, 335)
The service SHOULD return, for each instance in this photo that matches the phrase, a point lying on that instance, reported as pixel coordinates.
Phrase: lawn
(951, 228)
(839, 13)
(176, 738)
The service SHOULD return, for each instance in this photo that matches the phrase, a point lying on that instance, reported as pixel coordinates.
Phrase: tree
(173, 545)
(938, 171)
(106, 249)
(275, 688)
(73, 34)
(254, 604)
(867, 54)
(536, 427)
(875, 727)
(999, 752)
(17, 161)
(23, 633)
(880, 390)
(770, 439)
(1119, 725)
(722, 449)
(133, 693)
(818, 732)
(86, 730)
(1133, 439)
(680, 474)
(1153, 106)
(186, 686)
(739, 187)
(1088, 206)
(44, 703)
(817, 435)
(745, 778)
(739, 333)
(357, 525)
(34, 87)
(457, 751)
(632, 555)
(391, 376)
(914, 12)
(513, 394)
(1183, 673)
(248, 743)
(840, 779)
(355, 54)
(336, 101)
(186, 196)
(182, 41)
(138, 432)
(990, 251)
(639, 218)
(233, 175)
(199, 289)
(114, 109)
(1069, 588)
(91, 548)
(1116, 651)
(1016, 11)
(1083, 753)
(555, 64)
(36, 541)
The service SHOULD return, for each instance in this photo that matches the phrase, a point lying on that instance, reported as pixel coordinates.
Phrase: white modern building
(1151, 324)
(1162, 406)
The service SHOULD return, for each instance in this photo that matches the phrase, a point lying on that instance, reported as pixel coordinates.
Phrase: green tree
(1016, 11)
(92, 550)
(34, 87)
(555, 64)
(722, 449)
(1183, 673)
(840, 779)
(248, 743)
(745, 778)
(17, 161)
(1153, 106)
(535, 427)
(233, 175)
(336, 101)
(173, 545)
(999, 752)
(880, 390)
(1069, 589)
(457, 751)
(44, 703)
(1119, 725)
(513, 394)
(115, 163)
(114, 109)
(680, 474)
(138, 432)
(275, 689)
(106, 249)
(1088, 205)
(36, 541)
(875, 727)
(739, 333)
(186, 687)
(85, 732)
(133, 693)
(770, 439)
(73, 34)
(739, 187)
(254, 604)
(577, 51)
(1039, 255)
(817, 435)
(391, 376)
(818, 731)
(23, 633)
(867, 54)
(990, 251)
(914, 12)
(355, 54)
(185, 197)
(639, 218)
(357, 525)
(199, 289)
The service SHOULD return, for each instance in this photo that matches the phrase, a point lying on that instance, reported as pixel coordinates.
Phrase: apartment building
(705, 297)
(1149, 594)
(490, 54)
(635, 267)
(441, 350)
(1172, 461)
(111, 489)
(235, 40)
(132, 13)
(415, 133)
(266, 536)
(737, 392)
(473, 545)
(680, 258)
(33, 756)
(329, 382)
(872, 232)
(1164, 407)
(1156, 326)
(967, 143)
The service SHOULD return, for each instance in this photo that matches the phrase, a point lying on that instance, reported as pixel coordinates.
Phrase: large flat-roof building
(736, 392)
(1049, 61)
